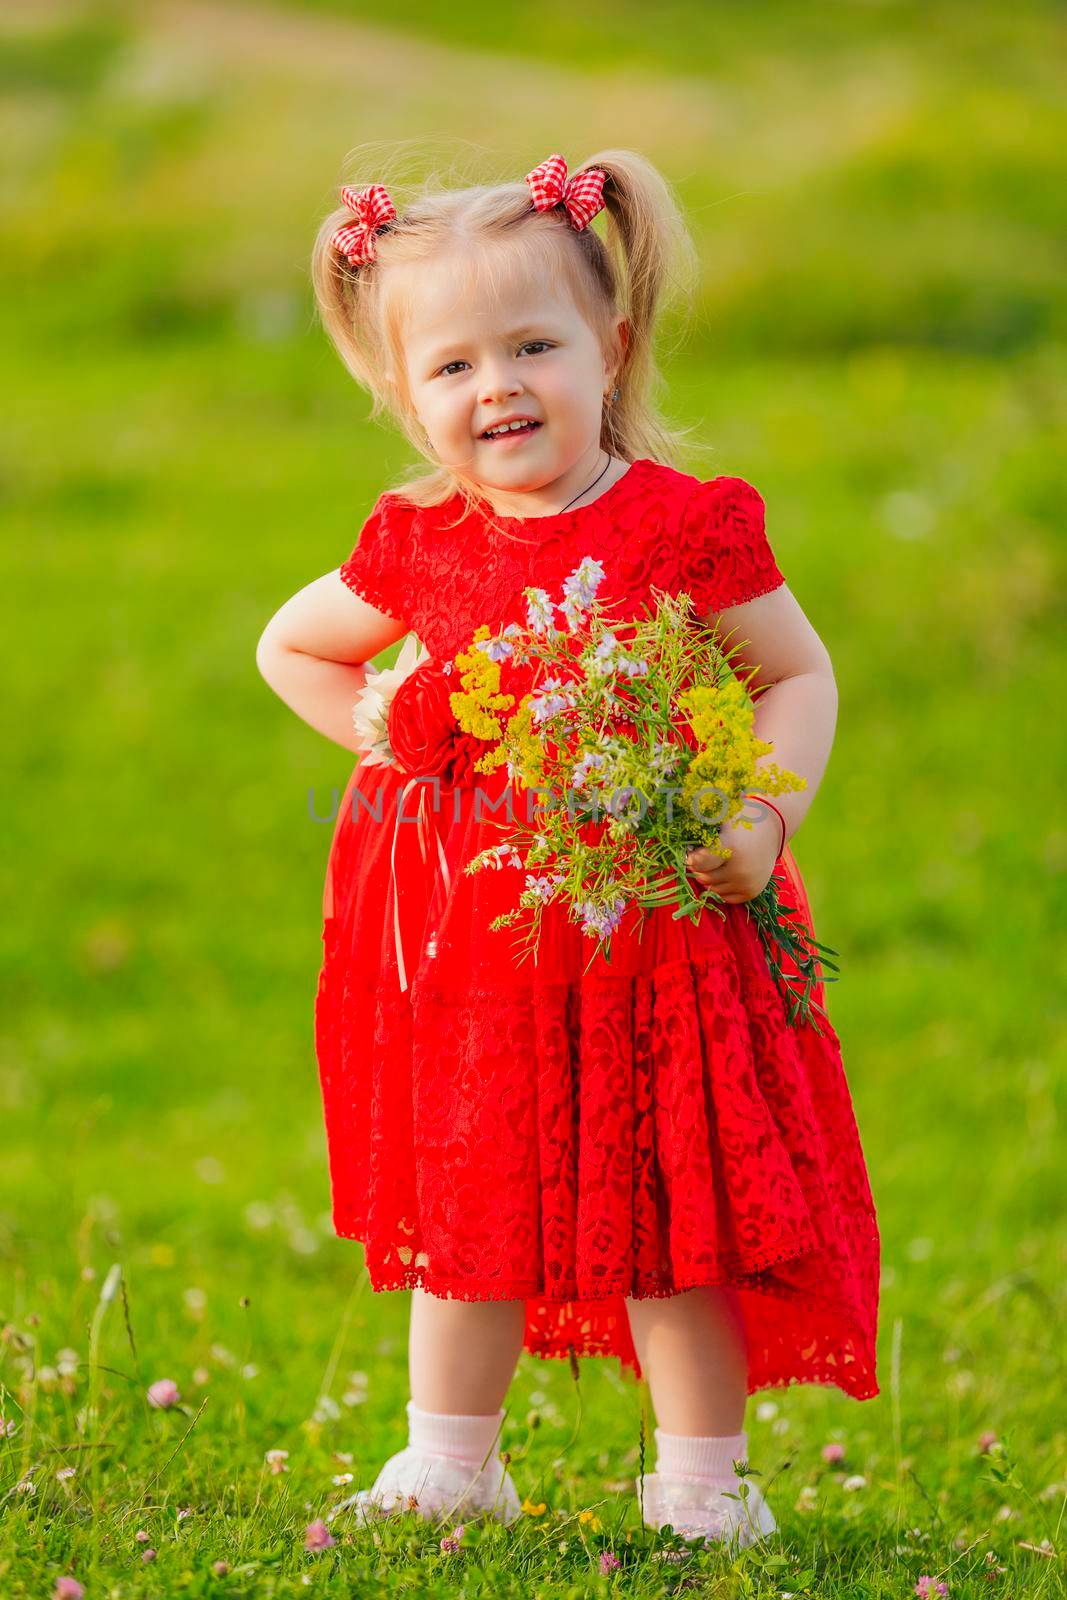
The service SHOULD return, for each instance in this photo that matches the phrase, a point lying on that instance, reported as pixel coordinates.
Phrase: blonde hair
(625, 274)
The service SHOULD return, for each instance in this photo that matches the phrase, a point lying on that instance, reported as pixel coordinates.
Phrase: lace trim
(755, 594)
(376, 595)
(420, 1276)
(854, 1378)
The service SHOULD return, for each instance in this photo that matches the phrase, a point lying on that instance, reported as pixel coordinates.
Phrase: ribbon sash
(424, 829)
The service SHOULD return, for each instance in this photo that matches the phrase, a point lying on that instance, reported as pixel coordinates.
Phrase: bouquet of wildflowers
(645, 731)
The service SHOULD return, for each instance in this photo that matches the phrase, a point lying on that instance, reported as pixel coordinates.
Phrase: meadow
(877, 342)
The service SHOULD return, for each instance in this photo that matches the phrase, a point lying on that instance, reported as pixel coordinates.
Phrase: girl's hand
(751, 863)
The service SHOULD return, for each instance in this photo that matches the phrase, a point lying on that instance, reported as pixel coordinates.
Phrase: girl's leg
(462, 1353)
(691, 1347)
(461, 1360)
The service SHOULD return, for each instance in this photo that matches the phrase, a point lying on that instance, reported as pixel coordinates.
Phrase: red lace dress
(554, 1134)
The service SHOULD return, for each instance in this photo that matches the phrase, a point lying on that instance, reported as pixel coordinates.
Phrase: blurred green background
(876, 192)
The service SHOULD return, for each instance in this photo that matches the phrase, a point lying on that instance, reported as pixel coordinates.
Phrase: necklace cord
(587, 488)
(570, 503)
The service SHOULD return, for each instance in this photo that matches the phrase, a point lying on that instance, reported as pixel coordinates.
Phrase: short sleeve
(724, 553)
(377, 569)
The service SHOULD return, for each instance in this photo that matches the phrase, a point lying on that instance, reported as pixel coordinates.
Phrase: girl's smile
(511, 437)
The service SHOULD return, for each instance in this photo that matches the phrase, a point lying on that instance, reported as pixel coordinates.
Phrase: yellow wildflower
(475, 707)
(525, 750)
(532, 1510)
(722, 718)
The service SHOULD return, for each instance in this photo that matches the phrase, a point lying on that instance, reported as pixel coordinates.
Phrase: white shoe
(699, 1508)
(436, 1487)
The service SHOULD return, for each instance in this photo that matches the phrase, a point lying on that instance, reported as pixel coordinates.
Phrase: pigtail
(648, 256)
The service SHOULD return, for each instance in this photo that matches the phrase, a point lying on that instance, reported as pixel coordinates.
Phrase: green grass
(877, 197)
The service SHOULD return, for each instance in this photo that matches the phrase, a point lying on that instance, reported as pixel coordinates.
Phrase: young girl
(638, 1157)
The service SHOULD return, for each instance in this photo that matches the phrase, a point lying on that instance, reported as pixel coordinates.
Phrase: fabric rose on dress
(425, 738)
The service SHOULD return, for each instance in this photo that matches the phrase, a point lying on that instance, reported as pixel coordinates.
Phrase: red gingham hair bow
(583, 195)
(373, 208)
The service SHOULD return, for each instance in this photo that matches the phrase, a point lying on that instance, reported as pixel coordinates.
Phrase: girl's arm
(794, 689)
(313, 654)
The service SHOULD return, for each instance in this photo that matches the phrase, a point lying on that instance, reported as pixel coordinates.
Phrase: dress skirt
(573, 1131)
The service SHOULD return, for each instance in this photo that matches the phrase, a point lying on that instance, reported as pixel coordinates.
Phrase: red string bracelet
(764, 801)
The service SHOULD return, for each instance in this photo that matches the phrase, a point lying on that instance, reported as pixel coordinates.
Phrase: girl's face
(526, 354)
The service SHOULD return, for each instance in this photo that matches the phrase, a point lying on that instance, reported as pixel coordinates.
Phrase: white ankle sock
(699, 1456)
(465, 1438)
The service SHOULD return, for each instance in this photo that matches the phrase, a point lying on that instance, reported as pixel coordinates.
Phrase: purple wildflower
(604, 658)
(499, 856)
(543, 888)
(548, 703)
(581, 586)
(500, 649)
(592, 761)
(538, 610)
(602, 920)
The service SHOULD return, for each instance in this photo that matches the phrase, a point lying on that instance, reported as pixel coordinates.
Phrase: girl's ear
(620, 343)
